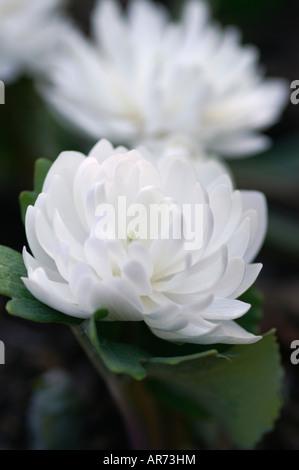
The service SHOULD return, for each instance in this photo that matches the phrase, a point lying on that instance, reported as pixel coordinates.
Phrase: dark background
(28, 131)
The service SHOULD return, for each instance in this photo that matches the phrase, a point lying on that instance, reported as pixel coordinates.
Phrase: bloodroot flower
(168, 243)
(145, 79)
(29, 30)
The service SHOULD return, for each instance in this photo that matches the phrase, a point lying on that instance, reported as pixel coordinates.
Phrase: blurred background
(83, 406)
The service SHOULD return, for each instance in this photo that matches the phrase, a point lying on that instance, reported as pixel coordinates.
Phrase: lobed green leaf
(242, 393)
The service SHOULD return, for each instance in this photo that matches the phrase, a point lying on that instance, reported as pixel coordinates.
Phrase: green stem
(118, 387)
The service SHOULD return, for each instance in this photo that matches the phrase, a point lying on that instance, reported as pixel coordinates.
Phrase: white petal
(197, 330)
(232, 279)
(229, 332)
(221, 205)
(38, 252)
(167, 319)
(101, 150)
(63, 259)
(117, 295)
(251, 273)
(254, 200)
(50, 294)
(240, 239)
(241, 145)
(203, 276)
(59, 198)
(32, 264)
(195, 17)
(138, 252)
(135, 273)
(97, 256)
(65, 166)
(67, 237)
(44, 233)
(225, 309)
(165, 254)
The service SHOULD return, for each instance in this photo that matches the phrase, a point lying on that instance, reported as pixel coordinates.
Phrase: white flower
(145, 79)
(183, 295)
(29, 30)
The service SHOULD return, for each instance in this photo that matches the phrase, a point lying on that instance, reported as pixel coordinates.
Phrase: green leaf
(32, 309)
(177, 400)
(11, 270)
(23, 304)
(239, 387)
(118, 357)
(242, 393)
(28, 198)
(120, 353)
(42, 166)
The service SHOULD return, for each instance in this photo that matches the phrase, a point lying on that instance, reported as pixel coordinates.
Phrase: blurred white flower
(146, 79)
(182, 295)
(29, 30)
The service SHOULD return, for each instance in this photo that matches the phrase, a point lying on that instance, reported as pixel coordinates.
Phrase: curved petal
(116, 294)
(229, 332)
(135, 273)
(225, 309)
(251, 273)
(55, 295)
(232, 278)
(254, 200)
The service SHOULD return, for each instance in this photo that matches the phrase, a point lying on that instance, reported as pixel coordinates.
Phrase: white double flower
(182, 295)
(146, 79)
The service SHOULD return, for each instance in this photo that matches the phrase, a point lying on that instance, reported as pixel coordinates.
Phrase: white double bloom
(182, 295)
(146, 79)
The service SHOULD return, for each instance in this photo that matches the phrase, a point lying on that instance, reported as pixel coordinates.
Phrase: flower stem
(118, 387)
